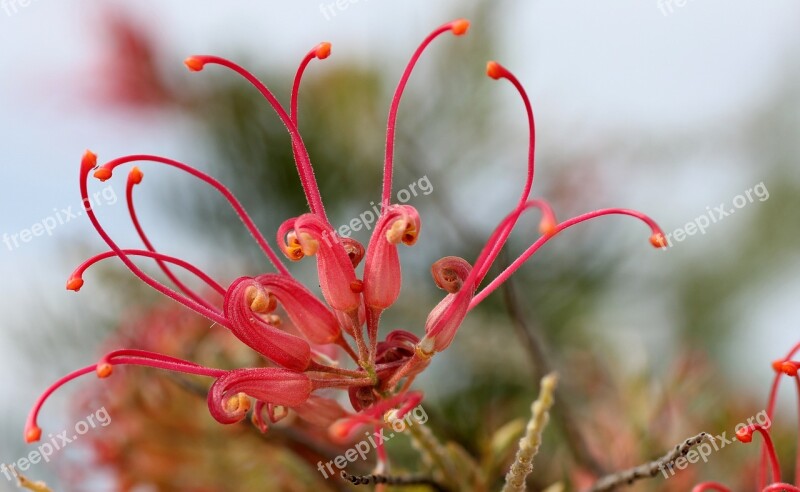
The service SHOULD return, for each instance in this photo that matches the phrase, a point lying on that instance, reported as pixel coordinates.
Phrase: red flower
(385, 369)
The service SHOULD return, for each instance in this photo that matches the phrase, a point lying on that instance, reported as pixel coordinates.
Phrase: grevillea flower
(252, 307)
(769, 457)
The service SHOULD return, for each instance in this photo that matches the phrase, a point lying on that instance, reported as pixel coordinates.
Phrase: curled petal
(382, 277)
(398, 346)
(227, 396)
(308, 314)
(283, 348)
(450, 272)
(310, 235)
(275, 413)
(354, 250)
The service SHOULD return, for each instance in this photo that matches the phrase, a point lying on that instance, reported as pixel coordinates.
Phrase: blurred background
(668, 109)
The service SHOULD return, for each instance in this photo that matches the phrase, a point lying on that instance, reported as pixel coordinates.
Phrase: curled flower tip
(74, 284)
(298, 245)
(89, 160)
(403, 230)
(450, 272)
(291, 248)
(194, 63)
(459, 26)
(103, 174)
(354, 250)
(789, 368)
(323, 50)
(745, 434)
(135, 176)
(104, 370)
(658, 240)
(32, 433)
(238, 405)
(260, 301)
(495, 70)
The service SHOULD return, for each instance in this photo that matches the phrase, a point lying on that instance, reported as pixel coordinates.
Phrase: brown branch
(648, 470)
(562, 414)
(389, 480)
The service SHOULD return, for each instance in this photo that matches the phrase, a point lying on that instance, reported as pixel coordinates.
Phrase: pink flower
(305, 351)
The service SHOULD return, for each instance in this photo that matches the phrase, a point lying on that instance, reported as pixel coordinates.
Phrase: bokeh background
(663, 108)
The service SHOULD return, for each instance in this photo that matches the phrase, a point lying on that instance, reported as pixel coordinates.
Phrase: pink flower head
(304, 337)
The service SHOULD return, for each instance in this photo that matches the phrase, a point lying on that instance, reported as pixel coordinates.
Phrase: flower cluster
(307, 340)
(769, 458)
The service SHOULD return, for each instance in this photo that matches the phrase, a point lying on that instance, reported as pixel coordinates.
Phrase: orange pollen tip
(777, 365)
(323, 50)
(194, 64)
(494, 70)
(789, 368)
(459, 27)
(75, 284)
(547, 227)
(136, 175)
(238, 404)
(89, 160)
(357, 286)
(104, 370)
(103, 174)
(340, 429)
(658, 240)
(744, 435)
(33, 434)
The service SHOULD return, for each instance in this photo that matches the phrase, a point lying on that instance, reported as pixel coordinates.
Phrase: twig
(398, 481)
(434, 454)
(529, 444)
(562, 413)
(647, 470)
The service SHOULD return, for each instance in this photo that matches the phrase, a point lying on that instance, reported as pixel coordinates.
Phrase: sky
(633, 65)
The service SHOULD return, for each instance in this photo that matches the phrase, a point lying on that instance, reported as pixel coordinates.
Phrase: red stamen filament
(778, 487)
(320, 51)
(199, 308)
(134, 178)
(127, 357)
(304, 168)
(494, 284)
(501, 236)
(458, 27)
(773, 396)
(81, 269)
(497, 71)
(746, 435)
(105, 171)
(702, 487)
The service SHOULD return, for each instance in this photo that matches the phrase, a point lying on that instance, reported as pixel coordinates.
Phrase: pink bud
(310, 235)
(450, 273)
(314, 320)
(382, 276)
(284, 349)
